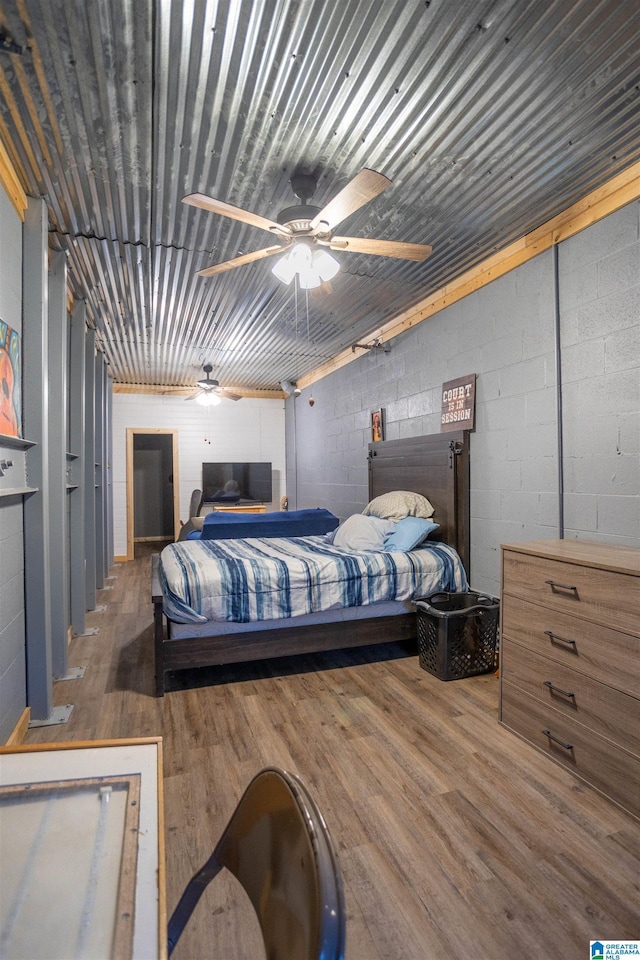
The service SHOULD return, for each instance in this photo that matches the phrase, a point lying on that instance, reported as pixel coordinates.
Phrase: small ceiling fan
(312, 227)
(209, 390)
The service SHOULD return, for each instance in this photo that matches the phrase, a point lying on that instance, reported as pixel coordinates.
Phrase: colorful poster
(9, 381)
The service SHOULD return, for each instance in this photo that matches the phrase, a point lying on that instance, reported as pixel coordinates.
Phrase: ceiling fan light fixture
(283, 269)
(208, 399)
(325, 265)
(308, 280)
(312, 266)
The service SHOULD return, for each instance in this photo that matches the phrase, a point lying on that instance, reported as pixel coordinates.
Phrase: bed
(186, 636)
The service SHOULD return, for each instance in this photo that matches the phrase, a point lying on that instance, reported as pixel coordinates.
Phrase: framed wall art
(377, 425)
(81, 826)
(10, 382)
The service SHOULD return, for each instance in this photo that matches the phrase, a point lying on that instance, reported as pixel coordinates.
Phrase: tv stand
(234, 507)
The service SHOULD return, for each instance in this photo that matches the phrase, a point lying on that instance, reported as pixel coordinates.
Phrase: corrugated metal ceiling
(490, 117)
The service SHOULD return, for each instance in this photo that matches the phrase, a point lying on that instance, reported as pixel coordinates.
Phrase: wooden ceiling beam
(11, 184)
(161, 391)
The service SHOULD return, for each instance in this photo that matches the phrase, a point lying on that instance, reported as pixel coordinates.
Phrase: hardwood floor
(455, 838)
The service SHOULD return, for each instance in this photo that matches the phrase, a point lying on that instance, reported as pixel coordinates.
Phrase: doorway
(153, 494)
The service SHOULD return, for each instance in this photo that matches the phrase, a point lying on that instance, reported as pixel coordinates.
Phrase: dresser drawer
(607, 597)
(607, 767)
(608, 712)
(604, 654)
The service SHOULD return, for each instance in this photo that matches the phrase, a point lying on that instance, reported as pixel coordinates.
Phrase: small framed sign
(459, 404)
(377, 425)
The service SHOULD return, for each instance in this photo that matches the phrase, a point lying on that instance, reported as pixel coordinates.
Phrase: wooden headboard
(436, 466)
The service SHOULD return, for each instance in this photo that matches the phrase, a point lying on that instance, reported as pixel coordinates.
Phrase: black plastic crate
(457, 634)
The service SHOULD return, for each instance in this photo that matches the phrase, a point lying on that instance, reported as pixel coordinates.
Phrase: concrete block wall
(504, 333)
(248, 429)
(12, 616)
(600, 309)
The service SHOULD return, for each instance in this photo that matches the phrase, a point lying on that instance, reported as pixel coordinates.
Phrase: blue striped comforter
(271, 579)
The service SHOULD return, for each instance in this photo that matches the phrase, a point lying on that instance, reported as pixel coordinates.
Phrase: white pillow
(363, 533)
(197, 522)
(399, 504)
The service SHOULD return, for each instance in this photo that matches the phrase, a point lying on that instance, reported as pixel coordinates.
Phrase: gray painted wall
(505, 334)
(12, 619)
(600, 297)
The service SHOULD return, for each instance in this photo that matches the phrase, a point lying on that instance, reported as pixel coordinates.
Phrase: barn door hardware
(455, 449)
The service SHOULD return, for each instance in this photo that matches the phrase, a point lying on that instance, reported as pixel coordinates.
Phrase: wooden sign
(459, 404)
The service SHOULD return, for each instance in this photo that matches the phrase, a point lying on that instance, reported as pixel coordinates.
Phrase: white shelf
(17, 491)
(17, 442)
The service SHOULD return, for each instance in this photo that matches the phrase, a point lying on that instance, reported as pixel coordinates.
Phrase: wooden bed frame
(436, 466)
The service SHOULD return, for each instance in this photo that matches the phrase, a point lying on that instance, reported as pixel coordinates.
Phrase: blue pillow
(409, 532)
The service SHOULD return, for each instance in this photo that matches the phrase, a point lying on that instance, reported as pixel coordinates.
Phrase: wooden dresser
(570, 658)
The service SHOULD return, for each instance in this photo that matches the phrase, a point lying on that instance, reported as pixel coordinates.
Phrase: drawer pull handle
(567, 746)
(554, 636)
(564, 693)
(561, 586)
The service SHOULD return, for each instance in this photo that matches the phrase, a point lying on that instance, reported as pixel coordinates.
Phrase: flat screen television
(236, 482)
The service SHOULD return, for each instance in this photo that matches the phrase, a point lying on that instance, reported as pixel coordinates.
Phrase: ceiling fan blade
(192, 396)
(381, 248)
(240, 261)
(364, 187)
(228, 394)
(235, 213)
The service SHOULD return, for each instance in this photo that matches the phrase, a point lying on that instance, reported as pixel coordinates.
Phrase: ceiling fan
(305, 226)
(209, 390)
